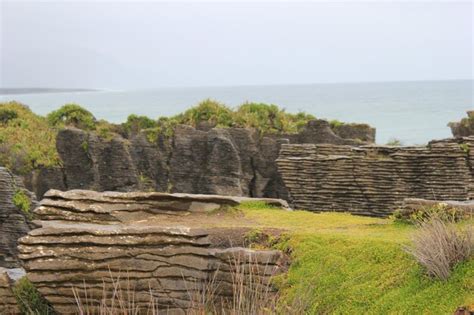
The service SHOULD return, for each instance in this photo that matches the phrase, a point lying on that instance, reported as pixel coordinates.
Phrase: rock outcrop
(374, 180)
(8, 303)
(463, 128)
(167, 248)
(13, 222)
(230, 161)
(457, 210)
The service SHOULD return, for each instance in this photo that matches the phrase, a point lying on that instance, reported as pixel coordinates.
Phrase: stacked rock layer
(13, 222)
(374, 180)
(8, 304)
(169, 266)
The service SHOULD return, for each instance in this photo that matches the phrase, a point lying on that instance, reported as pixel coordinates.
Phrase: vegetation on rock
(72, 115)
(29, 299)
(26, 139)
(22, 202)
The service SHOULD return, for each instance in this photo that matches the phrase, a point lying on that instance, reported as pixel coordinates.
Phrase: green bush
(26, 140)
(72, 115)
(7, 115)
(207, 111)
(29, 299)
(135, 123)
(22, 202)
(394, 142)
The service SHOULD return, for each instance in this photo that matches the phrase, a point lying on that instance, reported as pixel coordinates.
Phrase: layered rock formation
(464, 127)
(232, 161)
(8, 303)
(159, 248)
(374, 180)
(13, 222)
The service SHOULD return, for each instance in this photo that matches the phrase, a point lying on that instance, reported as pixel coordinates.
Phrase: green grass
(344, 264)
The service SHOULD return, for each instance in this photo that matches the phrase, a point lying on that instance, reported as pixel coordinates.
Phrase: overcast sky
(145, 44)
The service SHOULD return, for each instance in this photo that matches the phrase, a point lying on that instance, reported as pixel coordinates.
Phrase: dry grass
(439, 246)
(250, 292)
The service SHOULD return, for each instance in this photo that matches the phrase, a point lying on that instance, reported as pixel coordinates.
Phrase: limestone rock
(13, 222)
(88, 242)
(205, 160)
(8, 303)
(374, 180)
(463, 128)
(116, 207)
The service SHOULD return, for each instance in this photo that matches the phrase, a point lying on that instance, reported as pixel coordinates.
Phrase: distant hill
(6, 91)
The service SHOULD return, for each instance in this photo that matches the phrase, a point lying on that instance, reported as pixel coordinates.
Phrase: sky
(134, 45)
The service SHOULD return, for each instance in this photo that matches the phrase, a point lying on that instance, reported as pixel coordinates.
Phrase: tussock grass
(439, 246)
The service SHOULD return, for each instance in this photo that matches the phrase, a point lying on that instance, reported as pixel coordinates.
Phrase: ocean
(412, 112)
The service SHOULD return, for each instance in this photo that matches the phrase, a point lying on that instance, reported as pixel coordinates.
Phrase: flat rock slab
(120, 207)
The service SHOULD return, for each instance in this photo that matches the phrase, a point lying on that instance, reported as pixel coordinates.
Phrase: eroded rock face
(13, 222)
(166, 257)
(463, 128)
(232, 161)
(374, 180)
(8, 304)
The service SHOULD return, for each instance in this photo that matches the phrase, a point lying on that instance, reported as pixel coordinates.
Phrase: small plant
(464, 147)
(85, 146)
(22, 202)
(72, 115)
(30, 300)
(335, 123)
(394, 142)
(440, 246)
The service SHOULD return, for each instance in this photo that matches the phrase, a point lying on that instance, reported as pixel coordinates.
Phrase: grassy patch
(344, 264)
(29, 299)
(26, 139)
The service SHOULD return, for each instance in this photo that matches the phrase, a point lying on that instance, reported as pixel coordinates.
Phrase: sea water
(412, 112)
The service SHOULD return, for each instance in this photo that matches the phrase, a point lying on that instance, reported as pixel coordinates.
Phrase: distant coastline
(9, 91)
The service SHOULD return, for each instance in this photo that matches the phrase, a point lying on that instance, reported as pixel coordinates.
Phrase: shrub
(440, 246)
(26, 141)
(22, 202)
(136, 123)
(7, 115)
(72, 115)
(335, 123)
(394, 142)
(29, 299)
(207, 111)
